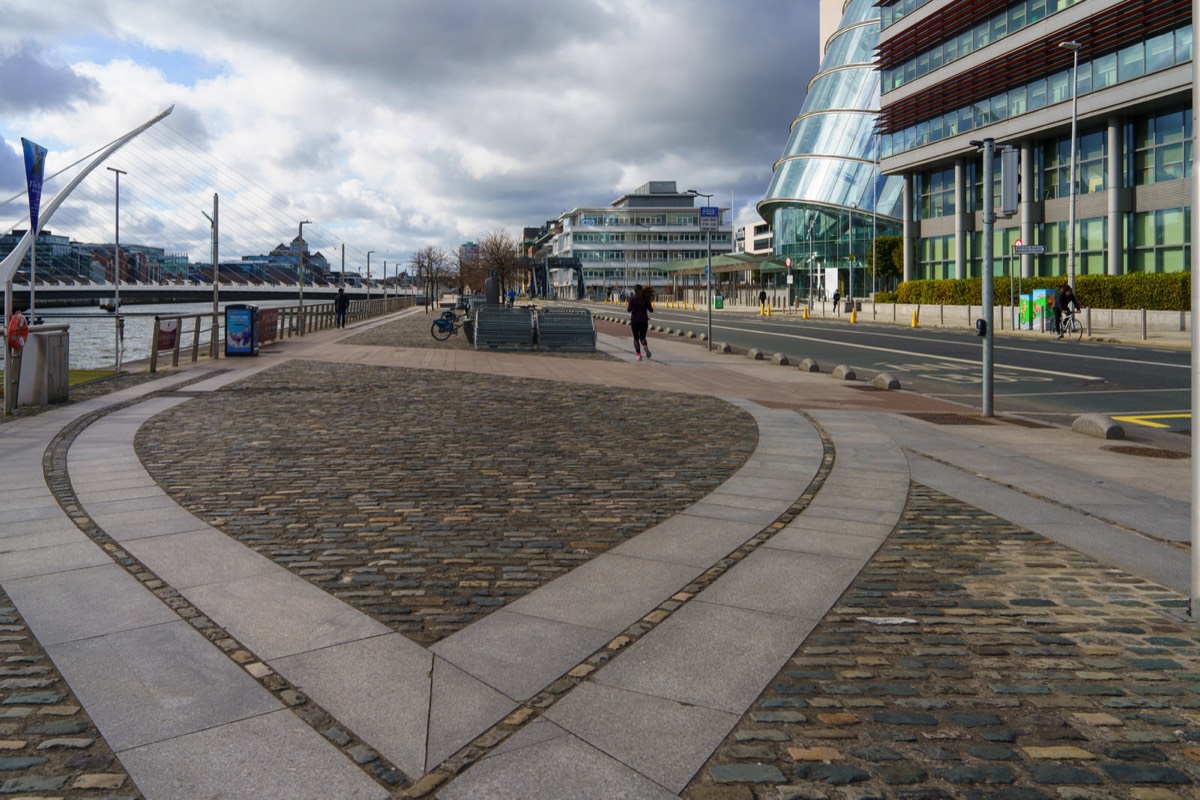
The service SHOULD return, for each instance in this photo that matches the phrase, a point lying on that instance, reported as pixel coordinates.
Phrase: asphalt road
(1038, 377)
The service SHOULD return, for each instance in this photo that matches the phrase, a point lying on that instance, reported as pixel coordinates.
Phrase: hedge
(1153, 291)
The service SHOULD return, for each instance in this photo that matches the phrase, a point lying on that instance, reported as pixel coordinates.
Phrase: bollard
(768, 311)
(853, 315)
(916, 316)
(804, 314)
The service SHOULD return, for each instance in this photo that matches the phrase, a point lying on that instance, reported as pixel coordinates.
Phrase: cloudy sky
(392, 124)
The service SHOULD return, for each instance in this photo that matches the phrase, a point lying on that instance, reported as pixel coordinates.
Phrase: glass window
(951, 48)
(1037, 94)
(1104, 71)
(1084, 78)
(1169, 226)
(1037, 10)
(1183, 44)
(1017, 99)
(999, 26)
(1000, 107)
(1131, 62)
(983, 35)
(1160, 52)
(1058, 87)
(1016, 17)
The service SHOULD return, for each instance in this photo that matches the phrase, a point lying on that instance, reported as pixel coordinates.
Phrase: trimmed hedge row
(1153, 291)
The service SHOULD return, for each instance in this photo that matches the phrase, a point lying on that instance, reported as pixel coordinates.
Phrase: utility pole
(989, 222)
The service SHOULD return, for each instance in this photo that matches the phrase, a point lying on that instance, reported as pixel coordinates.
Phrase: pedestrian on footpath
(512, 297)
(836, 297)
(341, 305)
(762, 299)
(640, 307)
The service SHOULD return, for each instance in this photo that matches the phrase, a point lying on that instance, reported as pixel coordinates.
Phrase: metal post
(1074, 47)
(369, 280)
(1194, 606)
(986, 269)
(300, 274)
(850, 286)
(214, 350)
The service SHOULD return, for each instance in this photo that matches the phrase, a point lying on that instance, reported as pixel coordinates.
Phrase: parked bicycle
(446, 325)
(1070, 327)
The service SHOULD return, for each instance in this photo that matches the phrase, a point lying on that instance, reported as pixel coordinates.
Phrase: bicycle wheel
(1075, 329)
(440, 330)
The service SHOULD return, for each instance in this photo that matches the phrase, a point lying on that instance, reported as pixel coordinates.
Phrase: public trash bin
(719, 301)
(44, 366)
(241, 330)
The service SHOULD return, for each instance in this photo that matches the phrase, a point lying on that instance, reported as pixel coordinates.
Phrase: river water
(92, 335)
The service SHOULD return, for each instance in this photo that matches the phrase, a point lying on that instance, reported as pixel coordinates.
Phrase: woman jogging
(640, 307)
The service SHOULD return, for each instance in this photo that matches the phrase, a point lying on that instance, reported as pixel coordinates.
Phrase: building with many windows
(957, 71)
(631, 240)
(827, 199)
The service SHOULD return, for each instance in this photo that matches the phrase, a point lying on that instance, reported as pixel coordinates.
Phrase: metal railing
(170, 330)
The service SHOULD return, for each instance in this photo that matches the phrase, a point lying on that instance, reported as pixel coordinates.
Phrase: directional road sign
(1029, 249)
(710, 218)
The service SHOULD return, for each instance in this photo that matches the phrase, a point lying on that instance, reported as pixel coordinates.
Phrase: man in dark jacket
(640, 307)
(341, 305)
(1064, 303)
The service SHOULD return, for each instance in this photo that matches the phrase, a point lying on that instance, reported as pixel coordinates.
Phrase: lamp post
(707, 267)
(850, 290)
(1074, 48)
(116, 265)
(300, 270)
(369, 275)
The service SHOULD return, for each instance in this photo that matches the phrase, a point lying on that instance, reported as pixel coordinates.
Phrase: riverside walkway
(355, 567)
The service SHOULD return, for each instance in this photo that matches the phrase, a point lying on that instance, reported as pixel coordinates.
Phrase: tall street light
(116, 265)
(707, 268)
(1074, 48)
(300, 269)
(369, 275)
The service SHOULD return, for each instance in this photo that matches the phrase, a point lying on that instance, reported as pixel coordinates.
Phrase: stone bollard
(780, 359)
(754, 354)
(886, 381)
(809, 365)
(722, 347)
(1098, 425)
(843, 372)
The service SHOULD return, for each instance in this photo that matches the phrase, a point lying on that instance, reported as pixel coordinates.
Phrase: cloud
(398, 123)
(27, 82)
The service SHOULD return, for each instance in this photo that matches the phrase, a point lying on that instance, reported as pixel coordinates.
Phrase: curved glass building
(826, 194)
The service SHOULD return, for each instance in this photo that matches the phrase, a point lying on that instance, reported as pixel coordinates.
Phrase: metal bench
(499, 328)
(566, 329)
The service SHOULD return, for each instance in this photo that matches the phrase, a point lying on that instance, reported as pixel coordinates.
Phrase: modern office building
(755, 239)
(629, 241)
(957, 71)
(827, 199)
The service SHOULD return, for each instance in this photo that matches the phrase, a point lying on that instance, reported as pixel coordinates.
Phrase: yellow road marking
(1146, 419)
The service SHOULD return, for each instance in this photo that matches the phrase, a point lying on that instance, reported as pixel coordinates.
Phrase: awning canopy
(726, 263)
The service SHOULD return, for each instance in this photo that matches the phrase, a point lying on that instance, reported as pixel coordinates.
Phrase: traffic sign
(787, 262)
(1029, 249)
(710, 218)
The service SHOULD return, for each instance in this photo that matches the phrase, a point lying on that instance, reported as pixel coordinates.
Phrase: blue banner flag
(35, 169)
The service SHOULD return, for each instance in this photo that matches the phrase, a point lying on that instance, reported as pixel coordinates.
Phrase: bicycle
(1071, 327)
(444, 326)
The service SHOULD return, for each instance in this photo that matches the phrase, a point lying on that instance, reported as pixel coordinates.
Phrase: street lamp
(707, 268)
(300, 270)
(369, 275)
(116, 265)
(1074, 48)
(850, 290)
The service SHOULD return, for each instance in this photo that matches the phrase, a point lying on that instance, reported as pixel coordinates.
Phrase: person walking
(640, 307)
(836, 297)
(762, 300)
(341, 305)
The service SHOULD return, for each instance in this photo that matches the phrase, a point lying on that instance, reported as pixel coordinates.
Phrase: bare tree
(470, 273)
(500, 252)
(431, 266)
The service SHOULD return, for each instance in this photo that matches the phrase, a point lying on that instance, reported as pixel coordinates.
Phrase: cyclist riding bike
(1064, 303)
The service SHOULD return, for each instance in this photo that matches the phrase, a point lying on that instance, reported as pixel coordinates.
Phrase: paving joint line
(54, 468)
(1049, 500)
(534, 708)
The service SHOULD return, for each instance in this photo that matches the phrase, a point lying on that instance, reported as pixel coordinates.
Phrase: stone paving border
(974, 659)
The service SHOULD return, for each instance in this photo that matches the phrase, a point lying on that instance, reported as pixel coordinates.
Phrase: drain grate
(951, 419)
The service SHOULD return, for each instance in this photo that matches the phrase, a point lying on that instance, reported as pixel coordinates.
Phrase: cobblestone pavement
(972, 659)
(48, 745)
(429, 499)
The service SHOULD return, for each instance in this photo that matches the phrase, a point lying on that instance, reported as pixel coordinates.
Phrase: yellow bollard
(853, 314)
(914, 320)
(693, 305)
(768, 307)
(804, 313)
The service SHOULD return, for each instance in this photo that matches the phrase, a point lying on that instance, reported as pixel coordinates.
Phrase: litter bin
(241, 330)
(44, 366)
(719, 301)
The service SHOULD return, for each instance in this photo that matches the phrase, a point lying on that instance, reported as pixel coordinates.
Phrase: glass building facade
(957, 71)
(827, 198)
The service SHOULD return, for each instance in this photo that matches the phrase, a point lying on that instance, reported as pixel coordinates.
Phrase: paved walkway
(717, 653)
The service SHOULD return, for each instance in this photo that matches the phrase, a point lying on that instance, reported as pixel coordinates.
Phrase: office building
(957, 71)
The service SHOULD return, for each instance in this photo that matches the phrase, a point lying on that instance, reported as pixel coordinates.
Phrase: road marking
(1147, 420)
(968, 361)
